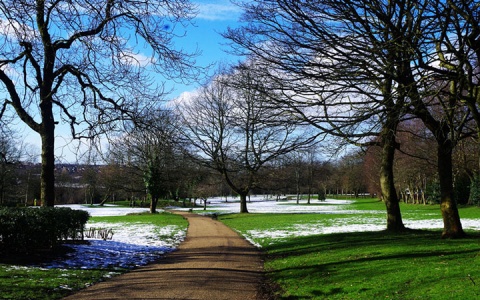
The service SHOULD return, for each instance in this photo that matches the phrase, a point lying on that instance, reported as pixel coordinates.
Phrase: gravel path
(212, 263)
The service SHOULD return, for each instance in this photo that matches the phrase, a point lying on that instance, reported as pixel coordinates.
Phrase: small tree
(475, 191)
(9, 157)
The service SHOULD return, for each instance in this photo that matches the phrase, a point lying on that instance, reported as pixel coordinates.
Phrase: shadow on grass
(340, 241)
(336, 265)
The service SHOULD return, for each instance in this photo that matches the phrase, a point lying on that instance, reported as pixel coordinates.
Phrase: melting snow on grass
(131, 245)
(138, 244)
(357, 222)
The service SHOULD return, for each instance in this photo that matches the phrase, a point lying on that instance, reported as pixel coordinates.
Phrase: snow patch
(135, 244)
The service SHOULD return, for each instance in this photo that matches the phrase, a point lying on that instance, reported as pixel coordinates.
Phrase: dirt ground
(212, 263)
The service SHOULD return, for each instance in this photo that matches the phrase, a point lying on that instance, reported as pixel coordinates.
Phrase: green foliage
(25, 230)
(475, 191)
(153, 178)
(433, 192)
(321, 195)
(462, 188)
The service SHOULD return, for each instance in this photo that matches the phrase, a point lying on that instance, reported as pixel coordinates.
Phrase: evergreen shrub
(25, 230)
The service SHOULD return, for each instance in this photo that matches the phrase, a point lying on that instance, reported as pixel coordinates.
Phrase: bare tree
(458, 49)
(10, 157)
(233, 130)
(156, 153)
(367, 67)
(79, 63)
(335, 63)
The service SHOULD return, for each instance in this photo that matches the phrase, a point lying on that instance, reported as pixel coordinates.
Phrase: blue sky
(214, 17)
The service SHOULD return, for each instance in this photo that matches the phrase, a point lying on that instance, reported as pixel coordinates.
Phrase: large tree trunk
(394, 217)
(452, 227)
(47, 177)
(153, 205)
(243, 203)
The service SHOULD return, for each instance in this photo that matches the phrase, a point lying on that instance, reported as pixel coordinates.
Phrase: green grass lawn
(161, 219)
(19, 281)
(361, 265)
(366, 265)
(160, 204)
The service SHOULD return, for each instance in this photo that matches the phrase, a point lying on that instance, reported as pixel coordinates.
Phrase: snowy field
(131, 245)
(357, 222)
(139, 244)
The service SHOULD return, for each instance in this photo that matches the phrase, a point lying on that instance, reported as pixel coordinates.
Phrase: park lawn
(159, 219)
(22, 282)
(368, 265)
(18, 280)
(160, 204)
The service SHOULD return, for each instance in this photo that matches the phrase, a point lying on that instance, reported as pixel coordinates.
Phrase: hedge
(25, 230)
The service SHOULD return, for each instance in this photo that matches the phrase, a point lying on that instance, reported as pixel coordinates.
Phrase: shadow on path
(213, 262)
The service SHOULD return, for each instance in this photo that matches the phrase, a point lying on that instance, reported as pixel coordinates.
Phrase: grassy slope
(369, 265)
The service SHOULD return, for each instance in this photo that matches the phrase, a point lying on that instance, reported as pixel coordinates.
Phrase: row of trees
(127, 176)
(300, 172)
(362, 70)
(336, 72)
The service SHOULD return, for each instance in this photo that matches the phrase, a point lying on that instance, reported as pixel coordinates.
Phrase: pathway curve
(212, 263)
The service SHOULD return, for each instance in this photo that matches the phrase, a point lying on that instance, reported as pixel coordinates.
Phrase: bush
(24, 230)
(462, 188)
(475, 191)
(321, 195)
(433, 192)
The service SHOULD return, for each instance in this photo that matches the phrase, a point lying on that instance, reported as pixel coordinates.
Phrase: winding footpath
(213, 262)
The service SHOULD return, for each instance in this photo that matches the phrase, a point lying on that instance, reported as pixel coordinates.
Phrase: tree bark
(394, 216)
(452, 227)
(153, 205)
(243, 203)
(47, 134)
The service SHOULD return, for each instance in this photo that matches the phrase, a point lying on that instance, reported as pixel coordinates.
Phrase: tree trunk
(243, 203)
(394, 217)
(47, 177)
(452, 227)
(153, 205)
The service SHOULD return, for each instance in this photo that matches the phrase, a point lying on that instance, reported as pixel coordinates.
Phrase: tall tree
(79, 63)
(155, 152)
(233, 130)
(437, 98)
(363, 64)
(335, 62)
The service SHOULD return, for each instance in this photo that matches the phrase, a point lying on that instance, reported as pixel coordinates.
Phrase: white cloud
(185, 98)
(136, 59)
(218, 11)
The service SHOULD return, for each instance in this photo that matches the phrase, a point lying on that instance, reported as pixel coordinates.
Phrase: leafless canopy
(89, 64)
(93, 61)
